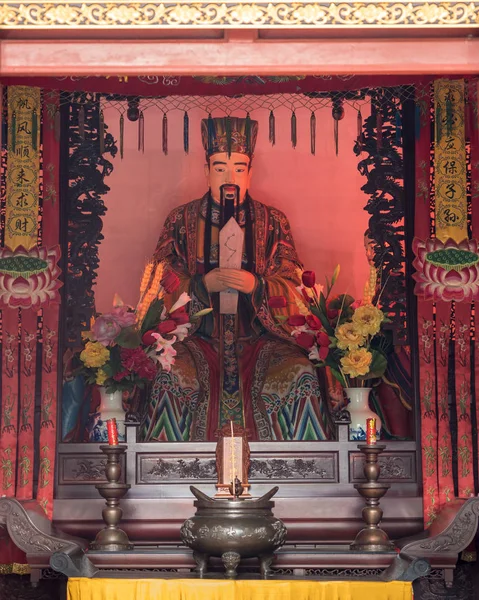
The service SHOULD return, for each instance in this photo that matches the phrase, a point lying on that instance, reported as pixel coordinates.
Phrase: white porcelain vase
(359, 410)
(111, 407)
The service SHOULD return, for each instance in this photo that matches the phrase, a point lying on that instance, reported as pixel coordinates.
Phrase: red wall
(320, 194)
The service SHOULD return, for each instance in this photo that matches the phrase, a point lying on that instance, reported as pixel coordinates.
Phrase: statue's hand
(238, 279)
(213, 281)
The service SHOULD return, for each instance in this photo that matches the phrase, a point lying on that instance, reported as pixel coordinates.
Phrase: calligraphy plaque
(231, 240)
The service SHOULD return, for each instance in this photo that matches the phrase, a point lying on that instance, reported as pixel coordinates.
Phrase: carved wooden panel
(395, 467)
(84, 468)
(321, 468)
(154, 468)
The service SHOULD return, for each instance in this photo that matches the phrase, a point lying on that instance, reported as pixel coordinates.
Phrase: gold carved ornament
(372, 14)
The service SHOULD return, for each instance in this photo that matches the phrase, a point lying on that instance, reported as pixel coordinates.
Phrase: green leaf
(325, 323)
(129, 338)
(281, 318)
(378, 365)
(153, 316)
(337, 374)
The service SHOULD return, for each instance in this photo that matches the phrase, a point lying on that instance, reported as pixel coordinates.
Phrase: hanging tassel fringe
(101, 133)
(141, 132)
(379, 129)
(248, 133)
(312, 131)
(57, 125)
(272, 128)
(81, 122)
(336, 136)
(164, 136)
(186, 133)
(122, 134)
(398, 123)
(211, 134)
(13, 132)
(34, 129)
(417, 121)
(294, 132)
(229, 141)
(359, 125)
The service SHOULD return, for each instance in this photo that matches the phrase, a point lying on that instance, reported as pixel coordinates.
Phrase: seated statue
(241, 367)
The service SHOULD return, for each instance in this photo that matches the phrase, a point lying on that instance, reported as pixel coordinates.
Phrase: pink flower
(446, 271)
(29, 278)
(122, 316)
(105, 329)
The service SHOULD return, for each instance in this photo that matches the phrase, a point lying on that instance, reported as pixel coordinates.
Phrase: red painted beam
(235, 56)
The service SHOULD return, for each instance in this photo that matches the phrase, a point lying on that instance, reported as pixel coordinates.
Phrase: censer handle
(200, 495)
(268, 495)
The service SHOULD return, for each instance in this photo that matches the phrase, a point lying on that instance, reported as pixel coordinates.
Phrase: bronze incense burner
(233, 529)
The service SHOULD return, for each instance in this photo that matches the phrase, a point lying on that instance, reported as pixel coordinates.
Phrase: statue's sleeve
(281, 277)
(172, 250)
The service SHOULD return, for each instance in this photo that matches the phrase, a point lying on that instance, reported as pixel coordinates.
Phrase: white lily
(182, 300)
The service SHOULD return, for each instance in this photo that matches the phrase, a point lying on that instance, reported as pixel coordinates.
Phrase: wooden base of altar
(187, 589)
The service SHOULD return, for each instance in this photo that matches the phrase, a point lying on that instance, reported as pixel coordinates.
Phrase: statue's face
(228, 176)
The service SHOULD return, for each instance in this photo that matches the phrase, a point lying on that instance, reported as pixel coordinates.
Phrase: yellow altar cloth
(220, 589)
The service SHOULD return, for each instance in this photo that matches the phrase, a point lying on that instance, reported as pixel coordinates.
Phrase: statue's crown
(229, 134)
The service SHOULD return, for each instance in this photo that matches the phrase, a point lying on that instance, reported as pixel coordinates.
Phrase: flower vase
(111, 407)
(358, 408)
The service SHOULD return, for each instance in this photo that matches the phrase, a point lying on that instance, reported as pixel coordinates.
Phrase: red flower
(309, 279)
(313, 322)
(323, 339)
(134, 360)
(306, 340)
(121, 375)
(170, 282)
(166, 326)
(296, 321)
(323, 352)
(277, 302)
(148, 339)
(332, 313)
(179, 316)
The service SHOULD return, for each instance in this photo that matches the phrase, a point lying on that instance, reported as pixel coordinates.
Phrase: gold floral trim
(117, 14)
(15, 569)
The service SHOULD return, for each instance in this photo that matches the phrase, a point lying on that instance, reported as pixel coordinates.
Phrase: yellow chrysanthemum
(95, 355)
(348, 337)
(357, 362)
(101, 377)
(367, 320)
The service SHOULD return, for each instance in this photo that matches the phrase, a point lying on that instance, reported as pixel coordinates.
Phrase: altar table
(220, 589)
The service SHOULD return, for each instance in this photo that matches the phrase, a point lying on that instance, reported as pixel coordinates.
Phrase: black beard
(229, 203)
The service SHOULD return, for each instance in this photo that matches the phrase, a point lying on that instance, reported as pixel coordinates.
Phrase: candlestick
(372, 538)
(112, 432)
(111, 538)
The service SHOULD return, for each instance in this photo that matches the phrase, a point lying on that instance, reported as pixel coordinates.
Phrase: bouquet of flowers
(113, 356)
(124, 347)
(340, 332)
